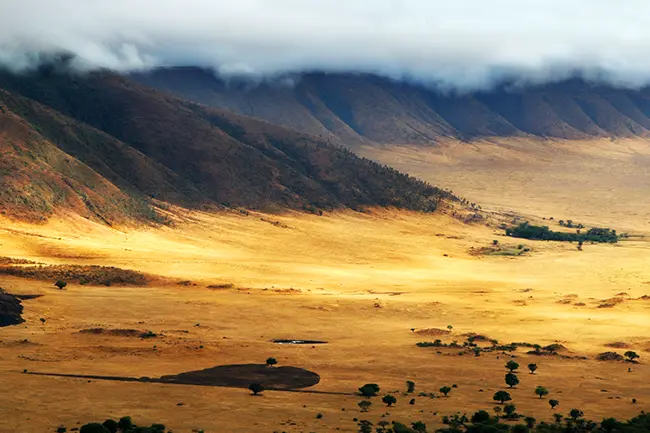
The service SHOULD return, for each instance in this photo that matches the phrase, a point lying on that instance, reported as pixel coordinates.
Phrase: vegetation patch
(12, 261)
(119, 332)
(11, 309)
(96, 275)
(543, 233)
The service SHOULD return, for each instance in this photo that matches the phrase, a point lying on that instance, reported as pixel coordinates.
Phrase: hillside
(126, 143)
(367, 108)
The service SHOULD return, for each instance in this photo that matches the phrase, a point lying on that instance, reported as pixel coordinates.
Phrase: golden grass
(361, 282)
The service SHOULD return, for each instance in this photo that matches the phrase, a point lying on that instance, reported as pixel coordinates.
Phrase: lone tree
(553, 403)
(575, 414)
(364, 405)
(501, 396)
(631, 356)
(512, 366)
(512, 380)
(255, 388)
(60, 284)
(532, 368)
(389, 400)
(410, 386)
(271, 362)
(369, 390)
(445, 390)
(541, 391)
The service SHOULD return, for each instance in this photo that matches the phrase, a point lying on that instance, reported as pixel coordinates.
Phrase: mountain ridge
(148, 145)
(365, 108)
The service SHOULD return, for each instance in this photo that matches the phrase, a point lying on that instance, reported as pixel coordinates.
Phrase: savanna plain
(218, 287)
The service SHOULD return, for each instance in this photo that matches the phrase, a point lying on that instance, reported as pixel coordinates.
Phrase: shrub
(93, 428)
(445, 390)
(389, 400)
(410, 386)
(111, 425)
(125, 423)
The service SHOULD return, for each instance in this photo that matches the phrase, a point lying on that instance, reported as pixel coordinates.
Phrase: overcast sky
(458, 43)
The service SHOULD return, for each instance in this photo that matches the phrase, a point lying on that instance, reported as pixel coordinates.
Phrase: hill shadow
(285, 378)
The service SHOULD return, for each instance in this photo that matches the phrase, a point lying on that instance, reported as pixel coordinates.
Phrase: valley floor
(371, 285)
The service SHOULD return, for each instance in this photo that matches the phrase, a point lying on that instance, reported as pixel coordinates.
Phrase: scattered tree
(365, 426)
(631, 356)
(512, 366)
(364, 405)
(256, 388)
(495, 242)
(389, 400)
(512, 380)
(271, 362)
(532, 368)
(410, 386)
(43, 320)
(450, 327)
(369, 390)
(502, 397)
(480, 417)
(111, 425)
(445, 390)
(60, 284)
(419, 427)
(553, 403)
(125, 423)
(530, 421)
(575, 414)
(509, 409)
(541, 391)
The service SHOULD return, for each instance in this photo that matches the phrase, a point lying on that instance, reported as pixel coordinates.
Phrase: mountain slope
(144, 143)
(365, 108)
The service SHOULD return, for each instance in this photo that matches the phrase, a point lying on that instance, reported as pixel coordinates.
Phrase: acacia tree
(445, 390)
(271, 362)
(501, 396)
(512, 380)
(364, 405)
(553, 403)
(389, 400)
(532, 368)
(541, 391)
(631, 356)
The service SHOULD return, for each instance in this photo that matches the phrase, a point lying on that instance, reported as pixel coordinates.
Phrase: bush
(543, 233)
(445, 390)
(111, 425)
(93, 428)
(125, 423)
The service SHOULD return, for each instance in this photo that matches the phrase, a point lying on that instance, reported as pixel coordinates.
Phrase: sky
(461, 44)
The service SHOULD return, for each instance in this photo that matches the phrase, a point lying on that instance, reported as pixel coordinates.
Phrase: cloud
(451, 43)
